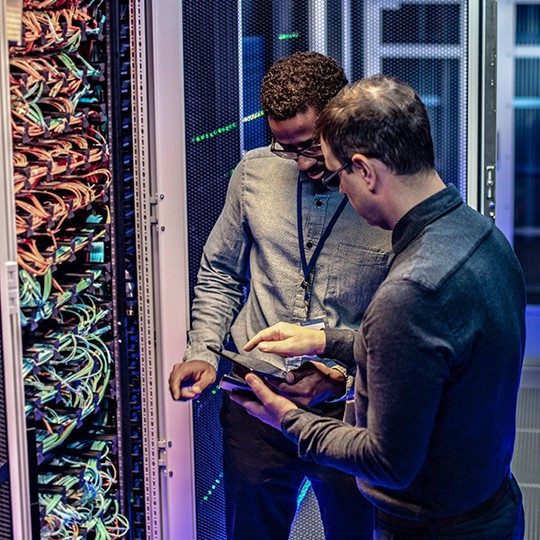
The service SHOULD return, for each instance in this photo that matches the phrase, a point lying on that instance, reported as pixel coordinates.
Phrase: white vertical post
(473, 106)
(317, 24)
(346, 39)
(505, 119)
(171, 294)
(9, 312)
(143, 117)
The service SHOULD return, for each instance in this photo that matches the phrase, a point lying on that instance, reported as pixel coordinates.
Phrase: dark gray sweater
(438, 358)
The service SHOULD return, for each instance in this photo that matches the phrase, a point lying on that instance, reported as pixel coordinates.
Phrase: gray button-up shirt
(254, 245)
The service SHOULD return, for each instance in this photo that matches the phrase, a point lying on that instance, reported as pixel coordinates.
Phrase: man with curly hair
(305, 256)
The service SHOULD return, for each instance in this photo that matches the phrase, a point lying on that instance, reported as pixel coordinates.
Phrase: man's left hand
(269, 407)
(312, 383)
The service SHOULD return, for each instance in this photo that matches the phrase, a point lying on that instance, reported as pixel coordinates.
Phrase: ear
(367, 170)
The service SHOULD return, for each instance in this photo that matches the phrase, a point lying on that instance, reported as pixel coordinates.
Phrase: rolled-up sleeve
(222, 277)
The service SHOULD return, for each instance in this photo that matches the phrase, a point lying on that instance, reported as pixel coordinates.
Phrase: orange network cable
(31, 78)
(53, 30)
(38, 260)
(43, 4)
(61, 155)
(28, 121)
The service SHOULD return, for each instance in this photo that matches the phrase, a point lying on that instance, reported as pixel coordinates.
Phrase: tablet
(232, 383)
(255, 365)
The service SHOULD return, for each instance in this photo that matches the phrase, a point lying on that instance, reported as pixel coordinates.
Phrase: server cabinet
(519, 137)
(518, 192)
(80, 297)
(69, 276)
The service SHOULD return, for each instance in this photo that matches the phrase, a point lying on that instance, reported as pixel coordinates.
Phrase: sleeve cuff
(200, 352)
(349, 388)
(339, 345)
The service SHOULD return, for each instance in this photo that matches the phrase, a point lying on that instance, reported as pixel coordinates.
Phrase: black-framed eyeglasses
(332, 180)
(310, 149)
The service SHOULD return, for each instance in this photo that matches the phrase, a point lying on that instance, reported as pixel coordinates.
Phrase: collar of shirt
(419, 217)
(303, 177)
(319, 187)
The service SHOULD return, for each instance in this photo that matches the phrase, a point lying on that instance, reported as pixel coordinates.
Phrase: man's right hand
(286, 339)
(188, 379)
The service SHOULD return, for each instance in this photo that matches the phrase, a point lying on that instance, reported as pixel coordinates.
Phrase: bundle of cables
(67, 372)
(63, 182)
(76, 499)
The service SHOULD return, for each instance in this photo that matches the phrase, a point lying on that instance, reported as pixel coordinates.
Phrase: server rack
(66, 256)
(518, 167)
(69, 277)
(103, 50)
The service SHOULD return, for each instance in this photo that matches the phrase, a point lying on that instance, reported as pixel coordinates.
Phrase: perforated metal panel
(527, 159)
(213, 145)
(518, 117)
(423, 42)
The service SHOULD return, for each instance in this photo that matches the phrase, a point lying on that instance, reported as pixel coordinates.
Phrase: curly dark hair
(299, 81)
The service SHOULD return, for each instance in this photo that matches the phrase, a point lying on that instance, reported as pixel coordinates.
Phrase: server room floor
(526, 462)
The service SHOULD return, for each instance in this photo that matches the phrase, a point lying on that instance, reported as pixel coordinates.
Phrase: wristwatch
(349, 383)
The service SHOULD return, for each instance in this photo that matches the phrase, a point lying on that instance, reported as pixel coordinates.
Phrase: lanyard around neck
(307, 267)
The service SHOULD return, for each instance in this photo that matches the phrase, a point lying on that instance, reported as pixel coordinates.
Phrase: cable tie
(83, 31)
(69, 158)
(43, 39)
(25, 135)
(46, 131)
(46, 75)
(84, 118)
(71, 288)
(70, 212)
(23, 82)
(100, 35)
(84, 75)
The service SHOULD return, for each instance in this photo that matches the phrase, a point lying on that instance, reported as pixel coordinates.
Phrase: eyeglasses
(332, 181)
(311, 149)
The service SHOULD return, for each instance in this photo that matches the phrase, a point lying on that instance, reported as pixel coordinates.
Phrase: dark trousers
(504, 521)
(263, 474)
